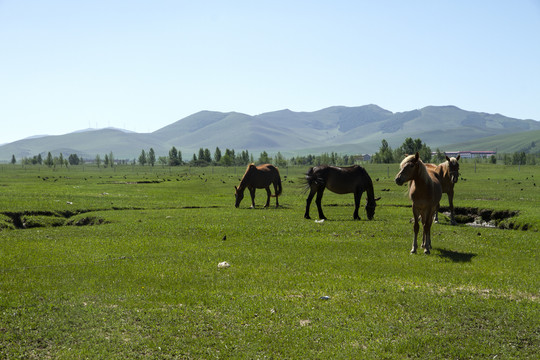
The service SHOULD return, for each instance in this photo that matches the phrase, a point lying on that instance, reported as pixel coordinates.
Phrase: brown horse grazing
(341, 180)
(259, 177)
(448, 173)
(425, 193)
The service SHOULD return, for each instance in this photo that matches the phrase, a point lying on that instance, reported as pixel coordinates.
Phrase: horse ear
(235, 188)
(417, 156)
(447, 158)
(458, 157)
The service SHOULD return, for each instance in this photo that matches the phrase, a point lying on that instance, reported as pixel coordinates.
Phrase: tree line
(230, 157)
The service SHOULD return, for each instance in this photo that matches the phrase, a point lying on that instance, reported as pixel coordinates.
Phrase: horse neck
(245, 179)
(422, 175)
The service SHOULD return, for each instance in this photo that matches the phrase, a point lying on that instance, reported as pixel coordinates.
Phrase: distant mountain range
(350, 130)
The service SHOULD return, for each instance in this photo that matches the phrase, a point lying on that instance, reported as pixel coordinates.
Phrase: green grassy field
(123, 264)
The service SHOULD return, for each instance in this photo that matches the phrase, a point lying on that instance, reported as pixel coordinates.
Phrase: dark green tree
(280, 160)
(201, 155)
(439, 156)
(519, 158)
(142, 158)
(13, 160)
(151, 157)
(111, 159)
(217, 155)
(264, 158)
(49, 161)
(410, 147)
(207, 156)
(385, 154)
(73, 159)
(173, 157)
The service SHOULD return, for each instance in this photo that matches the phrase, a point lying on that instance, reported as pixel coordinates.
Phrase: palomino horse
(425, 193)
(259, 177)
(341, 180)
(448, 173)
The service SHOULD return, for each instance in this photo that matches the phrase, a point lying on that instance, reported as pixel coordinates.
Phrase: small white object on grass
(223, 264)
(319, 221)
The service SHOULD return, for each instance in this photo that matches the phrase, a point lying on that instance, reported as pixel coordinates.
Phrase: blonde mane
(423, 172)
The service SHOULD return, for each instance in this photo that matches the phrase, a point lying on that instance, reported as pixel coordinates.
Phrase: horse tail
(314, 177)
(278, 184)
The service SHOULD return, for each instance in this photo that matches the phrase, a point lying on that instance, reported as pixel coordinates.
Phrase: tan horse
(259, 177)
(341, 180)
(448, 173)
(425, 192)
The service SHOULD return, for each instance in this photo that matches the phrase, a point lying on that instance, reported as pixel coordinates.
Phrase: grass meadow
(123, 264)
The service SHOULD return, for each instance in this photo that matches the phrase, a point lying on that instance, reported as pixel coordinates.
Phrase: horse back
(263, 175)
(345, 180)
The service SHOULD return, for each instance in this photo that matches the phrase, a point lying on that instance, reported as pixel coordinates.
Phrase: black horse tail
(279, 187)
(314, 177)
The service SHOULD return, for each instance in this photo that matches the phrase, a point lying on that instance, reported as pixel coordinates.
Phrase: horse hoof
(427, 252)
(413, 251)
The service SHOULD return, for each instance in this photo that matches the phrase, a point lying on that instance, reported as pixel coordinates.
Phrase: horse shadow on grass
(455, 256)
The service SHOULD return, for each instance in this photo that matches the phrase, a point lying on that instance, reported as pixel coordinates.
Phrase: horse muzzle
(399, 181)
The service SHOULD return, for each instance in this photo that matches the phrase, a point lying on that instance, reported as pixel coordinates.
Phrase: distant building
(362, 157)
(469, 154)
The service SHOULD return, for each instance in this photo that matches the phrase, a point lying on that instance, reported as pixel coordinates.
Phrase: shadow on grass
(455, 256)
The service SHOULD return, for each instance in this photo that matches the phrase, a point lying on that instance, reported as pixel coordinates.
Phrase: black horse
(341, 180)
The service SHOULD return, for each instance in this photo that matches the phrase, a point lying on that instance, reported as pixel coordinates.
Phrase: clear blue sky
(140, 65)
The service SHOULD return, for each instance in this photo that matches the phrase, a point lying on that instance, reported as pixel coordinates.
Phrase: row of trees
(232, 158)
(50, 161)
(385, 155)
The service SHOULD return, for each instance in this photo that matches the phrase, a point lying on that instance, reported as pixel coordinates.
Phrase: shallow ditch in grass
(480, 217)
(35, 219)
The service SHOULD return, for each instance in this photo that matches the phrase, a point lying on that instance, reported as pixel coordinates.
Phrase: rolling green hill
(528, 142)
(341, 129)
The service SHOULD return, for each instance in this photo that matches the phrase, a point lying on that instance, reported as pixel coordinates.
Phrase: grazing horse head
(370, 208)
(408, 169)
(239, 195)
(453, 168)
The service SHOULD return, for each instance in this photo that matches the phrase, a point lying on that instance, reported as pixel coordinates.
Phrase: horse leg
(416, 228)
(318, 201)
(308, 202)
(357, 197)
(427, 234)
(268, 194)
(451, 202)
(252, 193)
(275, 192)
(422, 216)
(437, 213)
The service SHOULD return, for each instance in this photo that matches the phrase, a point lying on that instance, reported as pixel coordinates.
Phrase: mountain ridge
(354, 130)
